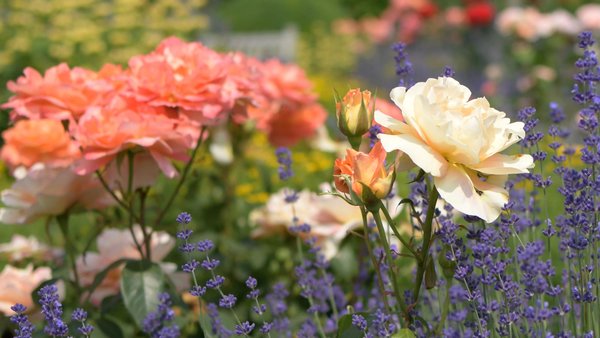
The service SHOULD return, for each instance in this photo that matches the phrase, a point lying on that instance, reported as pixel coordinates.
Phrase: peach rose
(589, 16)
(458, 141)
(16, 286)
(32, 141)
(188, 76)
(61, 94)
(115, 244)
(364, 170)
(44, 191)
(286, 107)
(292, 125)
(354, 112)
(104, 131)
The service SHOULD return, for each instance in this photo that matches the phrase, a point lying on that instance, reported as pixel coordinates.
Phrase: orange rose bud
(362, 171)
(354, 114)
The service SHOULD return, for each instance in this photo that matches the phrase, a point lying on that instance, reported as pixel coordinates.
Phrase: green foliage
(244, 15)
(141, 283)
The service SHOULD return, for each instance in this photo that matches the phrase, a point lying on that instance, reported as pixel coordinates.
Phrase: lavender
(25, 328)
(52, 311)
(157, 324)
(79, 315)
(284, 158)
(403, 65)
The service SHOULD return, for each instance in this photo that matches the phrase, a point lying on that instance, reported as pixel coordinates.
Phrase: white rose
(458, 142)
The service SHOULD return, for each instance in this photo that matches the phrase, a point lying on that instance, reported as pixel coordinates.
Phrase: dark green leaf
(109, 328)
(141, 282)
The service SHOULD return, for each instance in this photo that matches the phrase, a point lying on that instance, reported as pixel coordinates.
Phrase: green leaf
(109, 328)
(404, 333)
(347, 330)
(141, 282)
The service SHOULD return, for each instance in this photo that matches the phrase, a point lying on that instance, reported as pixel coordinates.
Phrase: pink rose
(16, 286)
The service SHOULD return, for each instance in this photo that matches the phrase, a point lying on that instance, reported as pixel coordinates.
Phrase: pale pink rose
(115, 244)
(457, 141)
(286, 107)
(122, 124)
(455, 16)
(20, 248)
(62, 93)
(410, 25)
(16, 286)
(331, 218)
(564, 22)
(43, 191)
(377, 29)
(32, 141)
(589, 16)
(524, 22)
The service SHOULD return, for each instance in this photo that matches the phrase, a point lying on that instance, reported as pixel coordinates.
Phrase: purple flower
(25, 328)
(52, 311)
(184, 218)
(244, 328)
(284, 158)
(359, 321)
(227, 301)
(157, 323)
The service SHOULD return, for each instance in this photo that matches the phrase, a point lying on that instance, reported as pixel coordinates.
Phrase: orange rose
(104, 131)
(364, 170)
(285, 105)
(38, 141)
(61, 93)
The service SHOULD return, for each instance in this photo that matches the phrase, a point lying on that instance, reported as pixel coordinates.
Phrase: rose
(458, 141)
(364, 171)
(42, 191)
(354, 112)
(33, 141)
(16, 286)
(115, 244)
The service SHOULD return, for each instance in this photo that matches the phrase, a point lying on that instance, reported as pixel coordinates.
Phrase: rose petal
(420, 153)
(500, 164)
(457, 188)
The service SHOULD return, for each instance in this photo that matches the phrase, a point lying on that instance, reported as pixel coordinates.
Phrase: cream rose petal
(420, 153)
(457, 188)
(500, 164)
(389, 122)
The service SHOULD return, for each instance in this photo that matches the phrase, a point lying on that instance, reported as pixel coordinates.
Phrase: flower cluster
(72, 122)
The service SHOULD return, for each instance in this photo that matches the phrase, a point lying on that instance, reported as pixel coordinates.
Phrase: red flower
(480, 13)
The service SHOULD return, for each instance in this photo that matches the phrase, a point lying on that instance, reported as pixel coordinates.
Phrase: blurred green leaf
(141, 282)
(404, 333)
(107, 328)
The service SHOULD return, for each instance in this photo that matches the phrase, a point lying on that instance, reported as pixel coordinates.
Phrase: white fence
(263, 45)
